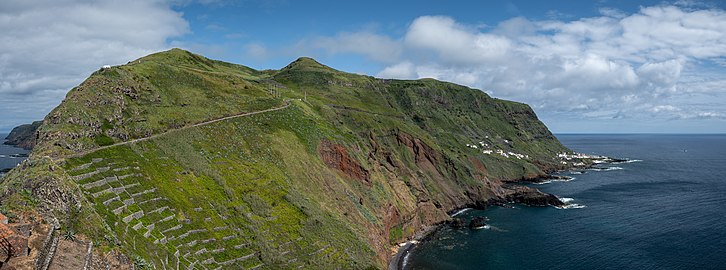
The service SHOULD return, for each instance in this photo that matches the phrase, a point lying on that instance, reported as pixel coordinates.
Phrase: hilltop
(178, 160)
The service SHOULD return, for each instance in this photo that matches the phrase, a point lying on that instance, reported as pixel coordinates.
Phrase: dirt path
(287, 104)
(69, 255)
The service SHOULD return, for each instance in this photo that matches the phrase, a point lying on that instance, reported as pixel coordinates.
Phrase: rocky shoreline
(519, 194)
(515, 193)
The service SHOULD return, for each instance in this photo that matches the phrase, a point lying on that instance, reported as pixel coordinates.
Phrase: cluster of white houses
(500, 152)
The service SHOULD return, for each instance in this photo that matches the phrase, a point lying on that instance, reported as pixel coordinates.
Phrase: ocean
(666, 210)
(10, 156)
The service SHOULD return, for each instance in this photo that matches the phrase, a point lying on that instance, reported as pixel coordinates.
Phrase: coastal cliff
(23, 136)
(181, 160)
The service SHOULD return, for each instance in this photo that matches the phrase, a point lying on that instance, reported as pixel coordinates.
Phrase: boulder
(457, 223)
(478, 222)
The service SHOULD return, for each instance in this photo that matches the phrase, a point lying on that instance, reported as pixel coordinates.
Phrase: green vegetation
(103, 140)
(353, 165)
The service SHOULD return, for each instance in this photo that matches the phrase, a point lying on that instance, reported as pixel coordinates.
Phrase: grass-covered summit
(352, 166)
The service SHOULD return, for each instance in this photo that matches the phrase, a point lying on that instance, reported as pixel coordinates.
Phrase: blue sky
(584, 66)
(225, 29)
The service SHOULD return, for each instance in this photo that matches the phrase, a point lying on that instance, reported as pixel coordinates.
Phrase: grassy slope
(253, 191)
(158, 92)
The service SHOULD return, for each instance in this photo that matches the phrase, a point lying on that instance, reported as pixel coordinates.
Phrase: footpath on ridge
(287, 104)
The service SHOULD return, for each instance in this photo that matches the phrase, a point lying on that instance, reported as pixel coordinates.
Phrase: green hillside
(345, 166)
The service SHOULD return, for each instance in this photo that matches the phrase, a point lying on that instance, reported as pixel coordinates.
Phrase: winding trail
(83, 153)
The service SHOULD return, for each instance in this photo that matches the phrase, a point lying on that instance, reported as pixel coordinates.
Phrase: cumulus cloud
(608, 66)
(454, 42)
(403, 70)
(47, 47)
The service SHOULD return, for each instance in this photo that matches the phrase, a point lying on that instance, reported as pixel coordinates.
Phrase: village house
(3, 219)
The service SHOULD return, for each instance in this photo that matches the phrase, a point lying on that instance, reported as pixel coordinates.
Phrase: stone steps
(133, 216)
(172, 228)
(153, 199)
(116, 190)
(89, 174)
(119, 210)
(99, 183)
(143, 192)
(158, 210)
(81, 167)
(116, 198)
(238, 259)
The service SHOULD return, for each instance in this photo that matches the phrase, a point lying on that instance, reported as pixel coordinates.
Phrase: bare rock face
(336, 156)
(24, 136)
(425, 156)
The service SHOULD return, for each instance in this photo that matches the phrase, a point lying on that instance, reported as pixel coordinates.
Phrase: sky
(608, 66)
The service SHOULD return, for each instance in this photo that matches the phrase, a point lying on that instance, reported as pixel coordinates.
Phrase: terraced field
(181, 217)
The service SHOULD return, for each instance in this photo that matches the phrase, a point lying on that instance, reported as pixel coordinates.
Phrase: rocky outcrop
(543, 178)
(24, 136)
(478, 222)
(530, 196)
(457, 222)
(46, 181)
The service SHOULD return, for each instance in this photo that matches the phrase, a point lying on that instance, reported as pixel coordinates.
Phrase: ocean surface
(665, 211)
(9, 155)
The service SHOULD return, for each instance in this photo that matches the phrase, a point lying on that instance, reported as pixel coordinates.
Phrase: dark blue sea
(666, 211)
(10, 156)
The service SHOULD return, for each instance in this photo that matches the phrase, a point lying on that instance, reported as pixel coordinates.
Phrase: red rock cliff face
(336, 156)
(425, 156)
(424, 185)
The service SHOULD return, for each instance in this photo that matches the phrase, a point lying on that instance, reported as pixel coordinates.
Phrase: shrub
(103, 140)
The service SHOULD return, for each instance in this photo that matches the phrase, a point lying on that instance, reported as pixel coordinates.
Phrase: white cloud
(612, 12)
(664, 108)
(661, 77)
(610, 66)
(403, 70)
(47, 47)
(377, 47)
(454, 42)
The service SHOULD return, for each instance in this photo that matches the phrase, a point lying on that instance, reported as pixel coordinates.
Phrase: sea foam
(571, 206)
(568, 204)
(568, 179)
(628, 161)
(606, 169)
(485, 227)
(460, 212)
